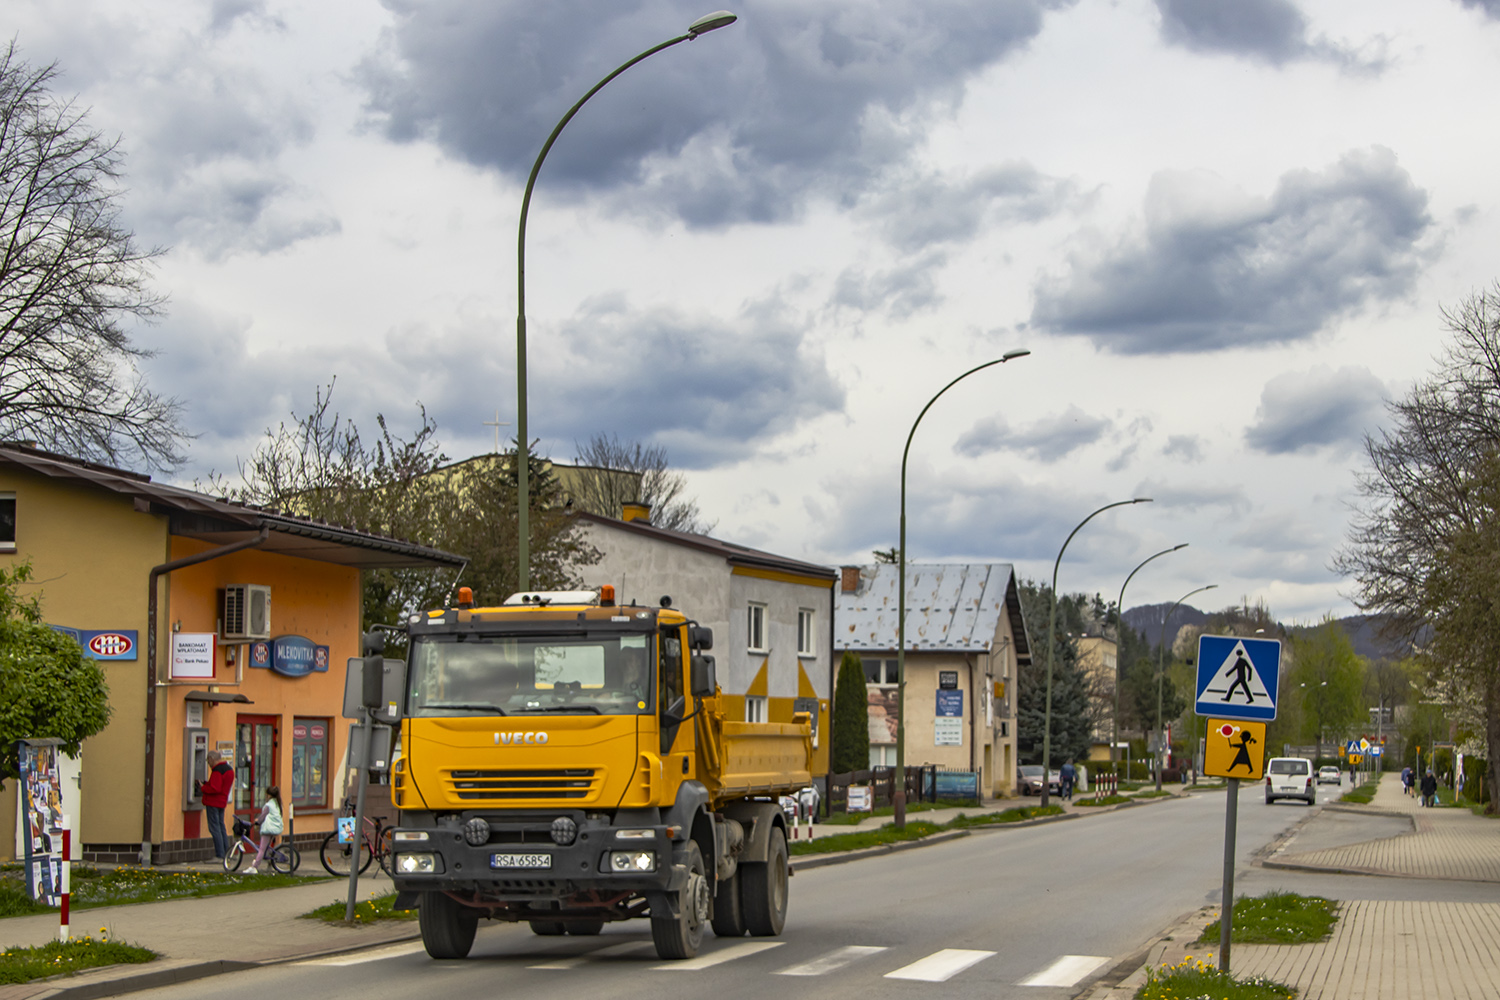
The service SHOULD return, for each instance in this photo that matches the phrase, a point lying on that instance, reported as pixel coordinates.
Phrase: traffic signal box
(1235, 749)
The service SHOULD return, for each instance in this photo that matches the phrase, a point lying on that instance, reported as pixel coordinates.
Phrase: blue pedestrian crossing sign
(1238, 677)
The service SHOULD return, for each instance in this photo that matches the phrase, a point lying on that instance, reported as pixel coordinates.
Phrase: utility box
(194, 766)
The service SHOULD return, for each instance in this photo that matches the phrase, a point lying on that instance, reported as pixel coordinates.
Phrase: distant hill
(1146, 619)
(1363, 630)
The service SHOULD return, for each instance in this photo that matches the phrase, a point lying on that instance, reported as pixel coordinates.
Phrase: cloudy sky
(1224, 230)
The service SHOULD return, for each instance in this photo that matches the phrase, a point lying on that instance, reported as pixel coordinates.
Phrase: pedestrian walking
(1407, 778)
(215, 793)
(1429, 789)
(1066, 777)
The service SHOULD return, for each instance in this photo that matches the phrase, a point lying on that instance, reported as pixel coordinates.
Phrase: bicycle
(375, 844)
(282, 857)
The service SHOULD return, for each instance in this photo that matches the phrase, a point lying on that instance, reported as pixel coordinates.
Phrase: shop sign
(103, 644)
(297, 656)
(193, 655)
(260, 655)
(950, 704)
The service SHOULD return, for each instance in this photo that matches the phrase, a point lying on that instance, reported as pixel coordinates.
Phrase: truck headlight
(632, 861)
(410, 836)
(418, 863)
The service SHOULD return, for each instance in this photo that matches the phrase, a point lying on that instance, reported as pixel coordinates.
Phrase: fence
(921, 785)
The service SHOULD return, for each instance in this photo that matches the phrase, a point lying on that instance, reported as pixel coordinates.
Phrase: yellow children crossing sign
(1235, 749)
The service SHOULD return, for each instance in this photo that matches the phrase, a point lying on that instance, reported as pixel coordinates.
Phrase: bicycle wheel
(383, 852)
(284, 859)
(294, 861)
(233, 858)
(338, 858)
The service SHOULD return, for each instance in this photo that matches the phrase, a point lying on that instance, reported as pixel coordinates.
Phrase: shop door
(256, 743)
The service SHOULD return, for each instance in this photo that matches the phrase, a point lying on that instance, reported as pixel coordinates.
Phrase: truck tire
(763, 889)
(447, 926)
(729, 918)
(585, 928)
(679, 937)
(548, 928)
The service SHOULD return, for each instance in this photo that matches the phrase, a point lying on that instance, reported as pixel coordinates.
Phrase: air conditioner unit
(247, 611)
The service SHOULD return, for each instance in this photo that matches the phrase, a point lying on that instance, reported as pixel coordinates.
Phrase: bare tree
(69, 276)
(620, 472)
(1424, 546)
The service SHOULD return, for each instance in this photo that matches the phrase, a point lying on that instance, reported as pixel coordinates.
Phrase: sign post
(1237, 683)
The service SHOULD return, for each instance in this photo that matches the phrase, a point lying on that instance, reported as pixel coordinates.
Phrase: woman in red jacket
(215, 797)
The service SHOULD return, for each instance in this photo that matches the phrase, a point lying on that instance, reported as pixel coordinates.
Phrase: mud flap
(406, 900)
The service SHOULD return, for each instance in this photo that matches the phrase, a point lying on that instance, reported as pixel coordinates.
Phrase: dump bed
(754, 758)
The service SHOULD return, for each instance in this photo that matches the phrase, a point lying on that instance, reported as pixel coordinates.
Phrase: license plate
(1284, 788)
(520, 861)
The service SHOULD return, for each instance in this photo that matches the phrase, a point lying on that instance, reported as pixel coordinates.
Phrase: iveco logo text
(516, 739)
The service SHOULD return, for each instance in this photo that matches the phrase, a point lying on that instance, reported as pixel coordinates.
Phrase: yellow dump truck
(565, 762)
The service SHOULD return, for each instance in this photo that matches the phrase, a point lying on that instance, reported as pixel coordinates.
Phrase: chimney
(636, 512)
(849, 579)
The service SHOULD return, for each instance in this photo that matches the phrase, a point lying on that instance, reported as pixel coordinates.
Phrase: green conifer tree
(851, 725)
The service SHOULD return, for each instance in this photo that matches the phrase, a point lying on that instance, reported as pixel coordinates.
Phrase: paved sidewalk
(1446, 843)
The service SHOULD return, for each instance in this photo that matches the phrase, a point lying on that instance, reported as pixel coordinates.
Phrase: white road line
(377, 955)
(611, 951)
(940, 966)
(719, 956)
(1065, 971)
(836, 959)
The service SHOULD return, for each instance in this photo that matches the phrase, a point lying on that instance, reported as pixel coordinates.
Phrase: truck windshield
(508, 675)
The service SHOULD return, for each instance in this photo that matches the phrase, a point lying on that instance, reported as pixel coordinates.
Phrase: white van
(1290, 778)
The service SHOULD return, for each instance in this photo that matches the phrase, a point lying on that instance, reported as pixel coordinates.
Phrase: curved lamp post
(1114, 734)
(898, 797)
(1051, 632)
(703, 25)
(1161, 652)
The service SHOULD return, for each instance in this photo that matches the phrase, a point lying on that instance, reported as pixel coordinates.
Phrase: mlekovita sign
(297, 656)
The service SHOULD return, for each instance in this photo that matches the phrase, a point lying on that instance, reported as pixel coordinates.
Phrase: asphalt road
(1037, 912)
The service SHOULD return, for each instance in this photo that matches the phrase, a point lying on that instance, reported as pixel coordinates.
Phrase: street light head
(1177, 547)
(1020, 352)
(1143, 500)
(711, 22)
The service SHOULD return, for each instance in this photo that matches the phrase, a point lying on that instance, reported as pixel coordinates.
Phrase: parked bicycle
(374, 844)
(283, 857)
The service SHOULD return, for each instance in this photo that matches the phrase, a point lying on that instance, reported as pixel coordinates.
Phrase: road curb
(143, 980)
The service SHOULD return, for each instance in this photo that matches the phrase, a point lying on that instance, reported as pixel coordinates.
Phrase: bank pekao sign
(295, 656)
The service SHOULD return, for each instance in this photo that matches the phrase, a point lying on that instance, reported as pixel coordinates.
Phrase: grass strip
(93, 886)
(915, 830)
(1277, 918)
(1107, 800)
(1364, 793)
(1151, 794)
(1192, 978)
(67, 958)
(853, 819)
(369, 911)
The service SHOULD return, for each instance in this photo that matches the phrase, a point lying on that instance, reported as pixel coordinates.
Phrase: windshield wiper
(467, 706)
(562, 708)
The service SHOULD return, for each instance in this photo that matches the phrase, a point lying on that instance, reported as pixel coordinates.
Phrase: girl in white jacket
(270, 825)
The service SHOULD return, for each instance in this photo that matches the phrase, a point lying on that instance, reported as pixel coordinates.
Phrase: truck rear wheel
(763, 889)
(447, 925)
(679, 936)
(729, 920)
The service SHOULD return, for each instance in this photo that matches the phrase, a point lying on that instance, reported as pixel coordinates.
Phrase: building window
(882, 756)
(880, 671)
(310, 762)
(755, 708)
(805, 632)
(7, 522)
(756, 622)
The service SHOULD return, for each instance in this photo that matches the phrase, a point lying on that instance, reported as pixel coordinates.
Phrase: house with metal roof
(772, 616)
(965, 641)
(219, 626)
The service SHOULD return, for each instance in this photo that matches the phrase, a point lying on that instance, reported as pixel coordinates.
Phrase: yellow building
(218, 626)
(1097, 658)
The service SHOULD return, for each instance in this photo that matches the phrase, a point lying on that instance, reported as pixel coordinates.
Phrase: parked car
(1029, 776)
(1330, 776)
(804, 804)
(1290, 778)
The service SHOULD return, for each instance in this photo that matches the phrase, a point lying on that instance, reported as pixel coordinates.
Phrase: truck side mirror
(700, 637)
(705, 681)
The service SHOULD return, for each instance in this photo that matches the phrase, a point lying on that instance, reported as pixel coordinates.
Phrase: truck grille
(523, 783)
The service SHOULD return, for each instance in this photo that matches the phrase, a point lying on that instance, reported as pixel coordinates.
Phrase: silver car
(1330, 775)
(1290, 778)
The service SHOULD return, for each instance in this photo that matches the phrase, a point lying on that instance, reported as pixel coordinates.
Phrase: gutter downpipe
(157, 572)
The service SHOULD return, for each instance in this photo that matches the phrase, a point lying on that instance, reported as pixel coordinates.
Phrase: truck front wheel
(729, 918)
(447, 926)
(763, 889)
(679, 936)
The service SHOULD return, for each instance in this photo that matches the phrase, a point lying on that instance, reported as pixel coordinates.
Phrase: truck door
(675, 738)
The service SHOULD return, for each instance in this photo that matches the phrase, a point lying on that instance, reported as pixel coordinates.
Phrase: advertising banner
(42, 819)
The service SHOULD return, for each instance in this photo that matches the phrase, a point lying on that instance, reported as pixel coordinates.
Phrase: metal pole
(1161, 649)
(523, 443)
(1051, 632)
(367, 725)
(1114, 739)
(898, 793)
(1226, 919)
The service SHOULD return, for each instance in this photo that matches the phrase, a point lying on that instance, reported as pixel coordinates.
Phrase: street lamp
(1051, 631)
(1161, 644)
(898, 798)
(1120, 645)
(705, 24)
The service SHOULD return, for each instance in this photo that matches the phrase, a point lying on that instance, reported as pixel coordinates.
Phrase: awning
(218, 697)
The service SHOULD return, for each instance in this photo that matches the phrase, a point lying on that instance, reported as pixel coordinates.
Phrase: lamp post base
(898, 806)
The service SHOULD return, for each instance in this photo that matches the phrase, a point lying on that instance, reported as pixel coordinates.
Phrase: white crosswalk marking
(375, 955)
(836, 959)
(940, 966)
(1065, 971)
(720, 956)
(612, 951)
